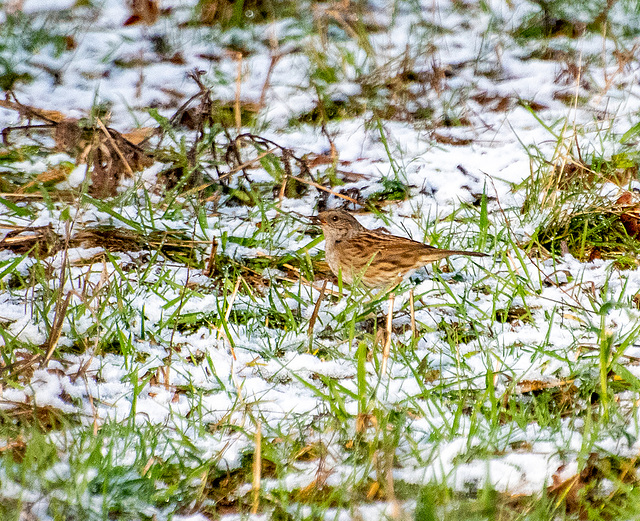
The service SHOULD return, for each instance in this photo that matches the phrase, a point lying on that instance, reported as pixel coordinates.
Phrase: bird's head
(337, 224)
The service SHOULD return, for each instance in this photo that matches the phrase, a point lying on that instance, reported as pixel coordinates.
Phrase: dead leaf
(528, 386)
(142, 12)
(629, 203)
(42, 241)
(54, 175)
(138, 135)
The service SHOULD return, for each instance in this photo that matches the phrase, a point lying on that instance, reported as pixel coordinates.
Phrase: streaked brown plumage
(377, 259)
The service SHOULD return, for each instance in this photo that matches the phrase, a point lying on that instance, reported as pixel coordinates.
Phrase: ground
(173, 343)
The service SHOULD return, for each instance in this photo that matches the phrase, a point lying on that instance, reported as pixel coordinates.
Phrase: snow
(277, 374)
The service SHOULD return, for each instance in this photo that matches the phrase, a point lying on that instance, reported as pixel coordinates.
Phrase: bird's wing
(407, 252)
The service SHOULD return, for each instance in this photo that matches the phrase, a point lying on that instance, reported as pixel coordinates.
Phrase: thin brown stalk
(115, 147)
(227, 313)
(387, 343)
(389, 484)
(257, 469)
(61, 305)
(56, 328)
(22, 196)
(275, 58)
(283, 187)
(320, 187)
(316, 309)
(412, 308)
(211, 263)
(236, 106)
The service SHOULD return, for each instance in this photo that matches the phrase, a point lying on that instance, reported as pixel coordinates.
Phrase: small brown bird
(377, 259)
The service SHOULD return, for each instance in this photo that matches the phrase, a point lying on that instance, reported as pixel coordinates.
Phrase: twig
(320, 187)
(316, 309)
(116, 148)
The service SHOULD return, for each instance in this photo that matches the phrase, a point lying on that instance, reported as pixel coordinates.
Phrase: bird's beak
(317, 220)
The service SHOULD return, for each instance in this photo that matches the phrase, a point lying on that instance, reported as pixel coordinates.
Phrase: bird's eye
(334, 218)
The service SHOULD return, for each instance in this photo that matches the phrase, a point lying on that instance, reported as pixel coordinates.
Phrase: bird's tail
(437, 254)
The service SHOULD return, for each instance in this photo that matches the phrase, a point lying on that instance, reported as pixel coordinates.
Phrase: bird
(374, 258)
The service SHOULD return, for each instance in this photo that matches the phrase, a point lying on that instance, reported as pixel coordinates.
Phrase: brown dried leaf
(104, 177)
(113, 158)
(17, 448)
(142, 11)
(42, 240)
(630, 216)
(573, 173)
(138, 135)
(495, 102)
(576, 491)
(68, 135)
(116, 239)
(27, 111)
(44, 418)
(450, 140)
(528, 386)
(56, 174)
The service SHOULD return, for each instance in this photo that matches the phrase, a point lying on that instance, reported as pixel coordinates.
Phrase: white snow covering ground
(254, 371)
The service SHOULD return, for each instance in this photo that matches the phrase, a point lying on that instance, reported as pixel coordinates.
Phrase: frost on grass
(162, 308)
